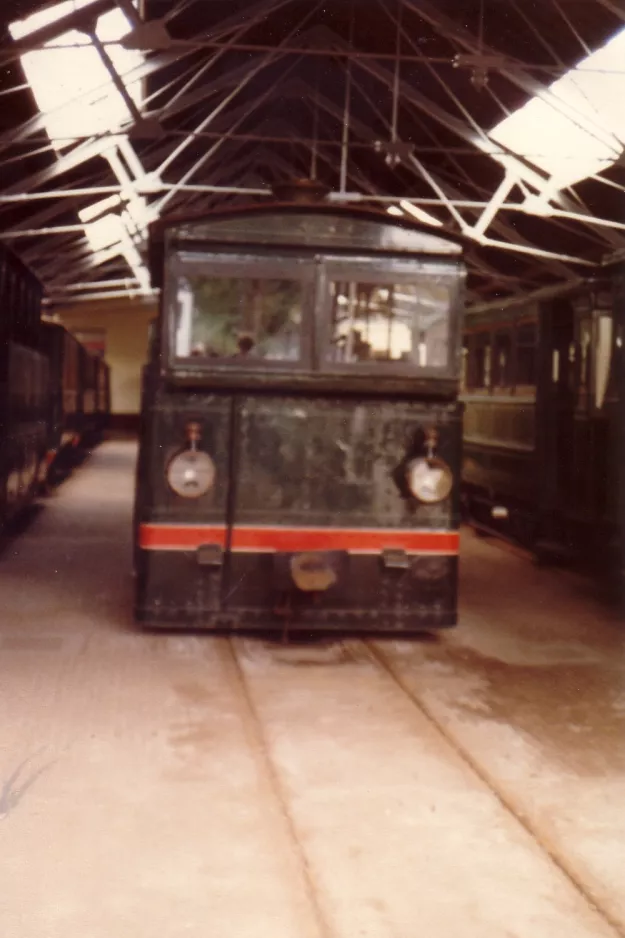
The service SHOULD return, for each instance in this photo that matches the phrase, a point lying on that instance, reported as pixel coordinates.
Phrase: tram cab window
(239, 319)
(404, 323)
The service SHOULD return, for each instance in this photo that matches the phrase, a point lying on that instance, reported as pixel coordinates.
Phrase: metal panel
(322, 461)
(319, 229)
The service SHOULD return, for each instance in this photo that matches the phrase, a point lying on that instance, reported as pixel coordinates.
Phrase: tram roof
(323, 226)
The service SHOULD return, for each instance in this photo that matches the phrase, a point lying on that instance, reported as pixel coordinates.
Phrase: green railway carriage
(544, 422)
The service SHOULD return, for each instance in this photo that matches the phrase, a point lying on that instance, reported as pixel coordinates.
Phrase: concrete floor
(468, 785)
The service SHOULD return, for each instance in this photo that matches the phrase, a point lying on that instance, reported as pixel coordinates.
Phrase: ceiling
(382, 100)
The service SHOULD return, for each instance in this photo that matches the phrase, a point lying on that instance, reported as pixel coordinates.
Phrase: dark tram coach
(44, 381)
(544, 427)
(300, 446)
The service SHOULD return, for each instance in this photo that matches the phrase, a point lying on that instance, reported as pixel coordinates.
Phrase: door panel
(186, 539)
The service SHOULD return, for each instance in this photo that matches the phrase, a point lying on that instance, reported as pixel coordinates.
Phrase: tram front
(300, 450)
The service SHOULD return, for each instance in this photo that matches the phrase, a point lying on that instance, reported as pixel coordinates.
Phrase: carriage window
(372, 322)
(479, 369)
(464, 369)
(585, 345)
(502, 360)
(603, 357)
(233, 318)
(526, 354)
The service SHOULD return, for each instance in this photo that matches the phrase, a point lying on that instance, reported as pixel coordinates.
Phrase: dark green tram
(544, 421)
(300, 447)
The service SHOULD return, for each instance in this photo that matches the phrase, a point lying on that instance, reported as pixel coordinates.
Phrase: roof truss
(279, 87)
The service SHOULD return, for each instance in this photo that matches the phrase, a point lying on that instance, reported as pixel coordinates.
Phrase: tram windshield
(239, 318)
(363, 320)
(406, 322)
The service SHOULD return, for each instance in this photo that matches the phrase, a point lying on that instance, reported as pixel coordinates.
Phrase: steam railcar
(300, 445)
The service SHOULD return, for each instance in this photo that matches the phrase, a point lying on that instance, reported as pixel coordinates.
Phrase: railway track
(506, 800)
(296, 790)
(258, 741)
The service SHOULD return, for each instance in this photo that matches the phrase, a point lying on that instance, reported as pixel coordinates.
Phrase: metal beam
(93, 285)
(131, 12)
(151, 66)
(615, 6)
(73, 20)
(79, 154)
(253, 72)
(514, 72)
(449, 195)
(501, 193)
(108, 295)
(182, 98)
(114, 190)
(542, 293)
(328, 51)
(510, 162)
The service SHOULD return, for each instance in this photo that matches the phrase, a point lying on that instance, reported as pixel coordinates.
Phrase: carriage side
(23, 387)
(543, 463)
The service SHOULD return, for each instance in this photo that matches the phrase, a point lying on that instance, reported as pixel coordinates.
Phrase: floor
(467, 785)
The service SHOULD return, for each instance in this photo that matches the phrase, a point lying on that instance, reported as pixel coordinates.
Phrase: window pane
(479, 368)
(389, 323)
(236, 318)
(603, 357)
(502, 360)
(585, 346)
(464, 369)
(526, 354)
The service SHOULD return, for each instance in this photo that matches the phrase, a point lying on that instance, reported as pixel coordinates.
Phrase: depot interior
(498, 124)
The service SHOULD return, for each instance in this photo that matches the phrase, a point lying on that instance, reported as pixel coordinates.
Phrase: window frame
(522, 388)
(479, 339)
(507, 331)
(254, 266)
(391, 272)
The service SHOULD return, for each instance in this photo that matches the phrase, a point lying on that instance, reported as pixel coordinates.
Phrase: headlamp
(429, 479)
(191, 473)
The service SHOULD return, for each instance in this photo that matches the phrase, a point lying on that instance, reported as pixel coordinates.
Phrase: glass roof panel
(577, 128)
(72, 87)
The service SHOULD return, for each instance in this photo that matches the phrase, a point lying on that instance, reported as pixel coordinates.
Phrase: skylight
(77, 98)
(72, 87)
(577, 129)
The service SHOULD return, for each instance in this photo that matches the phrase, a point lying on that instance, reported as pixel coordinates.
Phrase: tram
(544, 438)
(299, 459)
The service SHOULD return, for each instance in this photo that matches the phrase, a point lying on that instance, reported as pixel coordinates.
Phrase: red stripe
(189, 537)
(180, 537)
